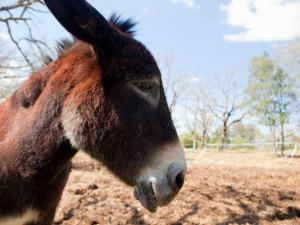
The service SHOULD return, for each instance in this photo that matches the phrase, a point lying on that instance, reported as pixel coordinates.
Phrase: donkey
(103, 95)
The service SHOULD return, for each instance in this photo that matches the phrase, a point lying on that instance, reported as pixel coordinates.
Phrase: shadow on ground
(212, 195)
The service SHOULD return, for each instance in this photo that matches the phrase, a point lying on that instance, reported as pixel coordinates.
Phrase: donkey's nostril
(179, 180)
(176, 176)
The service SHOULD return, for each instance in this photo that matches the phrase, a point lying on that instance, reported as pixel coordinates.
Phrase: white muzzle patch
(161, 181)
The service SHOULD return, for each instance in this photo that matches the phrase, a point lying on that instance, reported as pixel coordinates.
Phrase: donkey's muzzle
(159, 190)
(176, 175)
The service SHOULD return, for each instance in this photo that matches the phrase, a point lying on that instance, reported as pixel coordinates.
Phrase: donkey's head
(118, 113)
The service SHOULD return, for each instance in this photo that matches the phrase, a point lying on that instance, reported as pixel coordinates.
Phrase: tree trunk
(204, 139)
(224, 137)
(282, 139)
(273, 133)
(194, 143)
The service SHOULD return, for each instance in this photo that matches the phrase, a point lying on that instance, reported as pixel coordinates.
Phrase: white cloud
(188, 3)
(267, 20)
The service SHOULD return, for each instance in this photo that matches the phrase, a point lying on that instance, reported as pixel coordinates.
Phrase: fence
(249, 154)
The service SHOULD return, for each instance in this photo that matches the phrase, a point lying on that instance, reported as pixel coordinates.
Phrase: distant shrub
(187, 140)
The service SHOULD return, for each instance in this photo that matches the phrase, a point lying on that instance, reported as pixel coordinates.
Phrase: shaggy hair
(124, 25)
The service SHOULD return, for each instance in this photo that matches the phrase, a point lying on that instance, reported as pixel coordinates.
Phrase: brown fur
(111, 122)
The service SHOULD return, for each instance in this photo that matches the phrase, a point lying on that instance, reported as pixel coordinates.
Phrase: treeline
(221, 110)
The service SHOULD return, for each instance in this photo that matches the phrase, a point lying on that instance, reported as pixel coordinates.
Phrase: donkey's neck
(35, 138)
(43, 159)
(35, 145)
(44, 151)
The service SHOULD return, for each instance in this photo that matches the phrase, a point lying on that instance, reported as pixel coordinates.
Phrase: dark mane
(61, 46)
(125, 25)
(64, 44)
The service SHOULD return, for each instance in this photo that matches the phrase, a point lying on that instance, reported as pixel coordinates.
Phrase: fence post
(194, 145)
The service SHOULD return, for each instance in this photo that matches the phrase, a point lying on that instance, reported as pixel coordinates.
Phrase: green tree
(244, 133)
(187, 140)
(270, 95)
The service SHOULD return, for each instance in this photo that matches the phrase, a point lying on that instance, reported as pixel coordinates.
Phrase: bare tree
(20, 53)
(5, 62)
(225, 104)
(8, 79)
(175, 83)
(199, 118)
(18, 14)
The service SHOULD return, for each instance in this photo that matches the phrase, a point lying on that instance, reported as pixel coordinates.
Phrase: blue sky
(207, 37)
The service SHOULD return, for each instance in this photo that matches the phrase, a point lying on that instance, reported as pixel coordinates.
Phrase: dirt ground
(219, 190)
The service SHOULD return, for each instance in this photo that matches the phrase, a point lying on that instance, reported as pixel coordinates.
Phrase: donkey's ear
(86, 23)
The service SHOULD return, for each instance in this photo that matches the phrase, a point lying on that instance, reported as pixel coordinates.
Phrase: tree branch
(18, 13)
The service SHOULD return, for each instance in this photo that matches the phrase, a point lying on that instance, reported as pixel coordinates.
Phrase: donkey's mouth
(144, 193)
(152, 194)
(159, 186)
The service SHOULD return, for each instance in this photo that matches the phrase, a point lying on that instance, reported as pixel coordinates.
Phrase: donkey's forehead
(135, 61)
(137, 69)
(135, 50)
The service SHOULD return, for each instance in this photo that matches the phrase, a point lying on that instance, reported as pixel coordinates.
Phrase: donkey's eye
(145, 86)
(147, 89)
